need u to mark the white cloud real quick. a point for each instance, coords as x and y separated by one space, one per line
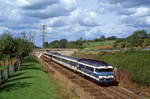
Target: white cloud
75 18
69 4
142 11
3 28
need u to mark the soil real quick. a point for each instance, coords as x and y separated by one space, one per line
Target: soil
125 81
75 91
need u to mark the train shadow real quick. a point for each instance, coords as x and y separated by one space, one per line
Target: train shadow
115 83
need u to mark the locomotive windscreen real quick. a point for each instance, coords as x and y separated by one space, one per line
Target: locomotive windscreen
104 70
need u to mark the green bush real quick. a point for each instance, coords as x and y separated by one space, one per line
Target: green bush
136 62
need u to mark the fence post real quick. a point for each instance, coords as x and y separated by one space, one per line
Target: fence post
7 72
18 64
0 76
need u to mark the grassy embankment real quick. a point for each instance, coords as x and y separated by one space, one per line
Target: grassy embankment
99 45
30 83
136 62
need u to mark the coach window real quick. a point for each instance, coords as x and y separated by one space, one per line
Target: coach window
54 57
90 68
74 64
63 60
81 66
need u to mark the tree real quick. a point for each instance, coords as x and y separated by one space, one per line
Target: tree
146 42
23 48
139 38
46 45
148 36
54 44
71 45
63 43
102 38
141 34
79 43
112 38
13 47
7 46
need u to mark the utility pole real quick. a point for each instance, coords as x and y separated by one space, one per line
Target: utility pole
24 36
43 32
30 36
34 39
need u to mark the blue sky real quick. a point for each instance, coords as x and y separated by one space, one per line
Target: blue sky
72 19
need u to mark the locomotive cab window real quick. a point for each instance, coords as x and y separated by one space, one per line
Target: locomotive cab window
103 70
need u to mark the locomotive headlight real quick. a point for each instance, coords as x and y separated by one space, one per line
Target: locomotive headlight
110 77
101 77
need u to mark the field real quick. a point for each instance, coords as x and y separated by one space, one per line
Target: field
99 45
29 83
136 62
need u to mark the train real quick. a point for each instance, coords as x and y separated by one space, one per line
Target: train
99 71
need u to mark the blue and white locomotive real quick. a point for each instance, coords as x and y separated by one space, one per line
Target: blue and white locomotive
97 70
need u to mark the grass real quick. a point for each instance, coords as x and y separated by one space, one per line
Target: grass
3 67
29 83
94 44
136 62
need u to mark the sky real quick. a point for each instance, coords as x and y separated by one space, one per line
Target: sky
72 19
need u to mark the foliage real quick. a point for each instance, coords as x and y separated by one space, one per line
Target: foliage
139 38
23 48
134 61
137 62
79 43
100 43
63 43
7 46
45 45
14 47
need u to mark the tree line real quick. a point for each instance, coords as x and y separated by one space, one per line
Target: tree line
11 47
139 39
79 44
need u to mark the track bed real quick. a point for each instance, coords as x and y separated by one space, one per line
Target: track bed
95 90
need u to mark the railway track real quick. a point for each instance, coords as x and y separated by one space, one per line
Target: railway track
98 92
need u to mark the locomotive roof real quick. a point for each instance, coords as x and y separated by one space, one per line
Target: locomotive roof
69 57
93 62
